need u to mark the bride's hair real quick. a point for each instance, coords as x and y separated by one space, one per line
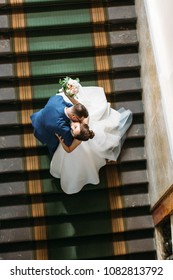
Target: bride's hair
85 133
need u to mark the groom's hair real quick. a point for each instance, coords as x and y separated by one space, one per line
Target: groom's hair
80 110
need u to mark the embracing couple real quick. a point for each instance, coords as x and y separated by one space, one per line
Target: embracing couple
61 121
80 133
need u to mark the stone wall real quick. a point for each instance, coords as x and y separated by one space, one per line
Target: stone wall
159 162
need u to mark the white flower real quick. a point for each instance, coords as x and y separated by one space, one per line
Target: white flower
70 86
61 90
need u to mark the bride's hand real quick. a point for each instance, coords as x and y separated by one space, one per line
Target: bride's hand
59 137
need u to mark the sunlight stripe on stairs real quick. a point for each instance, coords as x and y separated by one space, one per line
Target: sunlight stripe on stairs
103 64
98 14
115 200
16 2
100 40
25 93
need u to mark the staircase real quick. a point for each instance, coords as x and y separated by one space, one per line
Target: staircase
42 41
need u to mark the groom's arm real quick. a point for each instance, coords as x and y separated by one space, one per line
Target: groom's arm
63 129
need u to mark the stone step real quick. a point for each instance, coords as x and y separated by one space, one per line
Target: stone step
132 154
42 3
135 106
44 91
13 118
93 249
16 141
18 188
28 164
122 39
84 228
18 255
49 67
127 85
59 18
62 208
134 177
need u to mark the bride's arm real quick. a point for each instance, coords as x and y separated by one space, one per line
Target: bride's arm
70 148
73 100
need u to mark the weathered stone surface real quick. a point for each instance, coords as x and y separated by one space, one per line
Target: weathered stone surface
18 255
10 141
124 37
7 94
6 70
127 84
15 235
11 164
134 177
135 106
121 13
4 45
4 21
159 161
8 118
125 61
12 212
134 223
140 245
132 154
13 188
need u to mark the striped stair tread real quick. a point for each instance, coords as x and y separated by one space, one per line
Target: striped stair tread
88 227
57 66
11 142
61 18
62 208
93 249
31 163
13 118
133 177
119 86
135 106
132 154
69 42
127 84
66 230
141 245
16 141
17 188
18 255
42 3
18 198
136 131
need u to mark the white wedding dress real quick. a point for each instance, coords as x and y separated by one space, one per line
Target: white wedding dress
81 167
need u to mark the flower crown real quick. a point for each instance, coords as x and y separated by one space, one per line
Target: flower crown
69 86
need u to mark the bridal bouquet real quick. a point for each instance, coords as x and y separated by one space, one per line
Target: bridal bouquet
69 86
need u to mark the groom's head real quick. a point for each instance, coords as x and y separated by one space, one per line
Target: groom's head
78 112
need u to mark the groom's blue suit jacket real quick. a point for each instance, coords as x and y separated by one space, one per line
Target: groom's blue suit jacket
52 119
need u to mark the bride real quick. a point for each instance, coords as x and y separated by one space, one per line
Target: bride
81 166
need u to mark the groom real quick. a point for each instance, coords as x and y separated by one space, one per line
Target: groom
54 118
